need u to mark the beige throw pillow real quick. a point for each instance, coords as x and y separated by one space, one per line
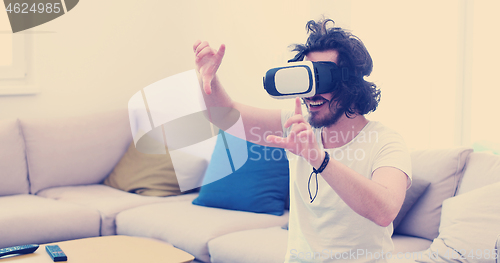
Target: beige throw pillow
145 174
469 228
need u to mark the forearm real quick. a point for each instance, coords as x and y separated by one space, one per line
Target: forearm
219 105
218 96
366 197
223 112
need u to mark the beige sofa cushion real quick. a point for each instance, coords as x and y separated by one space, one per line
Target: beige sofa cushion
76 150
153 174
418 187
144 174
443 169
469 227
264 245
27 219
108 201
13 167
190 227
482 168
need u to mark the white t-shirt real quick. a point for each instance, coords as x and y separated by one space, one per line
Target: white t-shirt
328 229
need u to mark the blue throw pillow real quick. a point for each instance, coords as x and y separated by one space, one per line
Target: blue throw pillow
260 185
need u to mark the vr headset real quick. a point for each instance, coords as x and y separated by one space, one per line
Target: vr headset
304 79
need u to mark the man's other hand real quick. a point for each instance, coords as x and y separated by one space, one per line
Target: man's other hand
207 62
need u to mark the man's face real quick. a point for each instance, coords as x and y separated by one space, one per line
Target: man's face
320 113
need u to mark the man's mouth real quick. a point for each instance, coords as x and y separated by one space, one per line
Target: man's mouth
316 103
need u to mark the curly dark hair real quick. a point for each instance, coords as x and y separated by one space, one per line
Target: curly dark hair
356 95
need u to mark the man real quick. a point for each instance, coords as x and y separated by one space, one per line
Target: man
346 213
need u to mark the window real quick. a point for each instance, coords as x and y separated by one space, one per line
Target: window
484 93
15 75
12 56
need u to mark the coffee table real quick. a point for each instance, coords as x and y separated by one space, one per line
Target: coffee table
109 249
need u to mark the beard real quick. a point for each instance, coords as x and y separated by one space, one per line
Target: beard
330 119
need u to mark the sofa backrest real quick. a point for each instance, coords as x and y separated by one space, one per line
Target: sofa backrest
13 167
481 169
74 150
443 169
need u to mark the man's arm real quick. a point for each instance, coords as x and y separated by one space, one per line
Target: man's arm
378 199
257 122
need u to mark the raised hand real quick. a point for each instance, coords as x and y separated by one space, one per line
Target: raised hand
301 140
207 62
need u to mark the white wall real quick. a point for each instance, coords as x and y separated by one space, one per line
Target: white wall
99 54
95 57
485 94
416 49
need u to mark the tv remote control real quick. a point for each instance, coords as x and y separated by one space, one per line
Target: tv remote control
56 253
24 249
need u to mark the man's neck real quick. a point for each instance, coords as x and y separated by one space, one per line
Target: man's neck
342 132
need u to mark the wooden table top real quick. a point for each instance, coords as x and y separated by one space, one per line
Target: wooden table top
109 249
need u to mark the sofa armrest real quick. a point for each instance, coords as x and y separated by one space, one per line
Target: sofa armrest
497 248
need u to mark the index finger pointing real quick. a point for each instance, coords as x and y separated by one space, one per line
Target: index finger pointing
298 106
221 51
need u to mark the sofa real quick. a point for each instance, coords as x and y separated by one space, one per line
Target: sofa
52 174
